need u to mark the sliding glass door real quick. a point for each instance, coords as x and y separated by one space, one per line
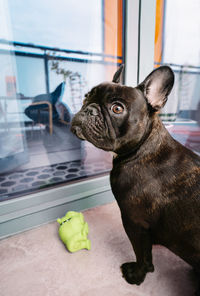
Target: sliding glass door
50 56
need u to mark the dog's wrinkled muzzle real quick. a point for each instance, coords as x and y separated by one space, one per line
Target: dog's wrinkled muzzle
90 124
82 117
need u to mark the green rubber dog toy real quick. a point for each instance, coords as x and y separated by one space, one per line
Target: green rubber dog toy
73 231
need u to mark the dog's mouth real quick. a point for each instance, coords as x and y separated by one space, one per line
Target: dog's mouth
78 132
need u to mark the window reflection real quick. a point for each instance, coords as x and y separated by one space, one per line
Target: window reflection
177 45
49 59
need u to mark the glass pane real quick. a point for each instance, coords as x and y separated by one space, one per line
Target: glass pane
177 44
50 56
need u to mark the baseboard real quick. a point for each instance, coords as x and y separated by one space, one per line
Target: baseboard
30 211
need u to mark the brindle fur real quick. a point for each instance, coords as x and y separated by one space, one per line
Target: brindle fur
155 180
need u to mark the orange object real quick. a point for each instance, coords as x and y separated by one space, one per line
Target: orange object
113 14
159 32
113 31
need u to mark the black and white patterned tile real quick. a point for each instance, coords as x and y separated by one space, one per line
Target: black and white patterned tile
17 183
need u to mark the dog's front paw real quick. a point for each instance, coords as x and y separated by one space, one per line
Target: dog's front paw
133 273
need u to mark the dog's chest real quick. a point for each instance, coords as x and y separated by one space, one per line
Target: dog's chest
133 189
136 195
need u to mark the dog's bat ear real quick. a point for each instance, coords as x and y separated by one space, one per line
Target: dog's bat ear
157 86
118 76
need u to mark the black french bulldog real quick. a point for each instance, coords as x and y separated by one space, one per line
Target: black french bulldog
155 180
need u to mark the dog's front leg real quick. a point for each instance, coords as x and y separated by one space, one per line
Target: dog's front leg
135 272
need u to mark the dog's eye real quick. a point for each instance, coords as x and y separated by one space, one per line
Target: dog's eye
117 108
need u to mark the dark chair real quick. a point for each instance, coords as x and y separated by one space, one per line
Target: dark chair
49 108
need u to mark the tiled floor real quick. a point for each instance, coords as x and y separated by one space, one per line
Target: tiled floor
20 182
